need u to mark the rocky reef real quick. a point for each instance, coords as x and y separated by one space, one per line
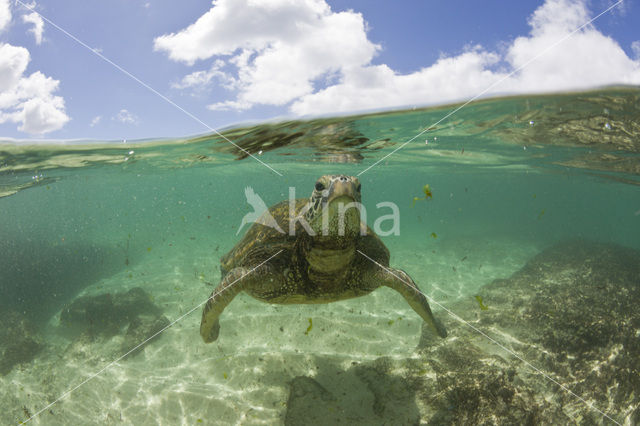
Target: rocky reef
131 315
20 342
555 343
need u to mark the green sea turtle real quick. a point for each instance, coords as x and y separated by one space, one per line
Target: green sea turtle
318 252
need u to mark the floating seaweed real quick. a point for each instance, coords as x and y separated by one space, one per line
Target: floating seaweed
427 194
483 307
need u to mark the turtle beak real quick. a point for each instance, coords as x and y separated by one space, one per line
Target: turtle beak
342 188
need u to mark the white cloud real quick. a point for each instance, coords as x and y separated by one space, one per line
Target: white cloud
96 120
125 117
203 80
586 59
38 25
303 55
28 100
5 14
635 48
13 63
278 47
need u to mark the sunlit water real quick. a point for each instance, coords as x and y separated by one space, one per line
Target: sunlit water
509 177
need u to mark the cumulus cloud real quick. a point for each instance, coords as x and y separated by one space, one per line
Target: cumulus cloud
27 100
277 48
5 14
586 59
202 80
38 25
635 48
124 116
313 60
529 64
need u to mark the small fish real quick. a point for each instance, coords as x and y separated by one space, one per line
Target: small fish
483 307
463 259
225 375
461 153
148 248
310 327
434 235
541 214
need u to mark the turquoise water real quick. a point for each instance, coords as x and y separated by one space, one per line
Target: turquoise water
509 177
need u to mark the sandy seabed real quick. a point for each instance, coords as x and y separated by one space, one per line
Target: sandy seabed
354 361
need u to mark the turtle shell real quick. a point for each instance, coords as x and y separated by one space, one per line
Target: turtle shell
261 241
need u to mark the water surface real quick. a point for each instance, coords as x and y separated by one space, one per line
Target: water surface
510 178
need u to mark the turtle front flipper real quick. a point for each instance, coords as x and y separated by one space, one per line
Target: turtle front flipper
233 283
401 282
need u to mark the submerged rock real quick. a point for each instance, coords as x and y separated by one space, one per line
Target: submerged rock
570 312
139 330
131 314
105 314
472 386
19 341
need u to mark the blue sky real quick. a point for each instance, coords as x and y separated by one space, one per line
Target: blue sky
234 61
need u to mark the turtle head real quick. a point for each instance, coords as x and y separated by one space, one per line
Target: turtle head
334 207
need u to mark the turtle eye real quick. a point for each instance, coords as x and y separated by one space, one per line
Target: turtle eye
359 187
319 186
